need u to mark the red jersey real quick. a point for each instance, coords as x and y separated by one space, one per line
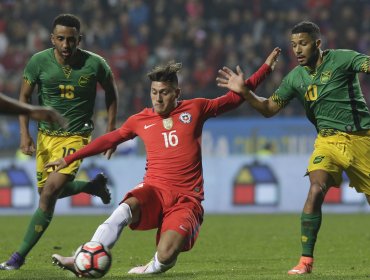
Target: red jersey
173 143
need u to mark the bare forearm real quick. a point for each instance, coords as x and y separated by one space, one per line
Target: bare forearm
12 107
24 119
261 104
112 113
111 101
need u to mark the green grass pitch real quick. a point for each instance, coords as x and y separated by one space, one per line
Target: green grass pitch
229 247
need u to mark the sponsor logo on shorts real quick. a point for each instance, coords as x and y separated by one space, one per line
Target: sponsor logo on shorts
197 189
39 176
318 159
183 228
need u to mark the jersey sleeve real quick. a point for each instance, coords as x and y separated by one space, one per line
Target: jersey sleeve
104 71
285 92
219 105
353 61
127 129
32 70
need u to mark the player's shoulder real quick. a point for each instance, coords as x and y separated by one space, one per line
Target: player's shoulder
294 73
91 55
336 54
143 113
47 53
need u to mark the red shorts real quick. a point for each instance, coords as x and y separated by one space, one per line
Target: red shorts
167 210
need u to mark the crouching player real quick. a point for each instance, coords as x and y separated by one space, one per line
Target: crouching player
169 199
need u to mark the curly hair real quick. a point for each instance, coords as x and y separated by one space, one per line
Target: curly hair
307 27
67 20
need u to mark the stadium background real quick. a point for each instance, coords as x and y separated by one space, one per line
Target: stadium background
134 35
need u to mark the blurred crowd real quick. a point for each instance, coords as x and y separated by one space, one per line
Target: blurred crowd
135 35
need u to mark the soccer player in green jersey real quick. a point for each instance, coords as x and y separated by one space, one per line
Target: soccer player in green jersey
326 83
10 106
66 78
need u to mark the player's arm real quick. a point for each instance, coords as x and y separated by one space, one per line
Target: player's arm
111 101
259 76
11 106
99 145
235 82
27 145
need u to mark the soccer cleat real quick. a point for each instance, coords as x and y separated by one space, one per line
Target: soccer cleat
151 268
99 188
141 269
67 263
304 266
14 263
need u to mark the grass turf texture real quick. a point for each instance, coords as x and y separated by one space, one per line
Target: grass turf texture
228 247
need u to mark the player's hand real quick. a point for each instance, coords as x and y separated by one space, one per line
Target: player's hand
27 146
231 80
56 165
108 153
49 115
272 59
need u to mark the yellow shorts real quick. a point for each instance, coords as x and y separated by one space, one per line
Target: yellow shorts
349 152
50 148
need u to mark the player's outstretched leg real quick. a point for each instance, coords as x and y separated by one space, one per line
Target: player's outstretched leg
99 188
152 267
14 262
65 263
303 267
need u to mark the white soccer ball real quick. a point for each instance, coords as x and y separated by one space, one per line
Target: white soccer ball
92 260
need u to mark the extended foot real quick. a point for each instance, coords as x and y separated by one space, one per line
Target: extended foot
99 188
304 266
65 263
15 262
141 269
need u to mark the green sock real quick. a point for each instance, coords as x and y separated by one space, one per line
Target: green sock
39 223
310 225
74 187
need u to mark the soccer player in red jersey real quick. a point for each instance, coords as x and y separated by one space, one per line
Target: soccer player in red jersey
169 198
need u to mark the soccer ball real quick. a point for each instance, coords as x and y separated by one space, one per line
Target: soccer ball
92 260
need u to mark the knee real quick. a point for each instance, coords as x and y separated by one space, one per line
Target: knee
48 197
317 193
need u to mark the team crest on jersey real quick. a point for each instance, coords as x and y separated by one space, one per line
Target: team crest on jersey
83 80
167 123
325 77
185 117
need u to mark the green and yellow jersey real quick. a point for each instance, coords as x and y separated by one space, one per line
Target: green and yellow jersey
331 94
69 90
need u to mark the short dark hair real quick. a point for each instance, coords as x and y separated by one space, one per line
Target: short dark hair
67 20
307 27
166 73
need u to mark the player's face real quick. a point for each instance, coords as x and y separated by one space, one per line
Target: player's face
306 49
164 97
65 40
